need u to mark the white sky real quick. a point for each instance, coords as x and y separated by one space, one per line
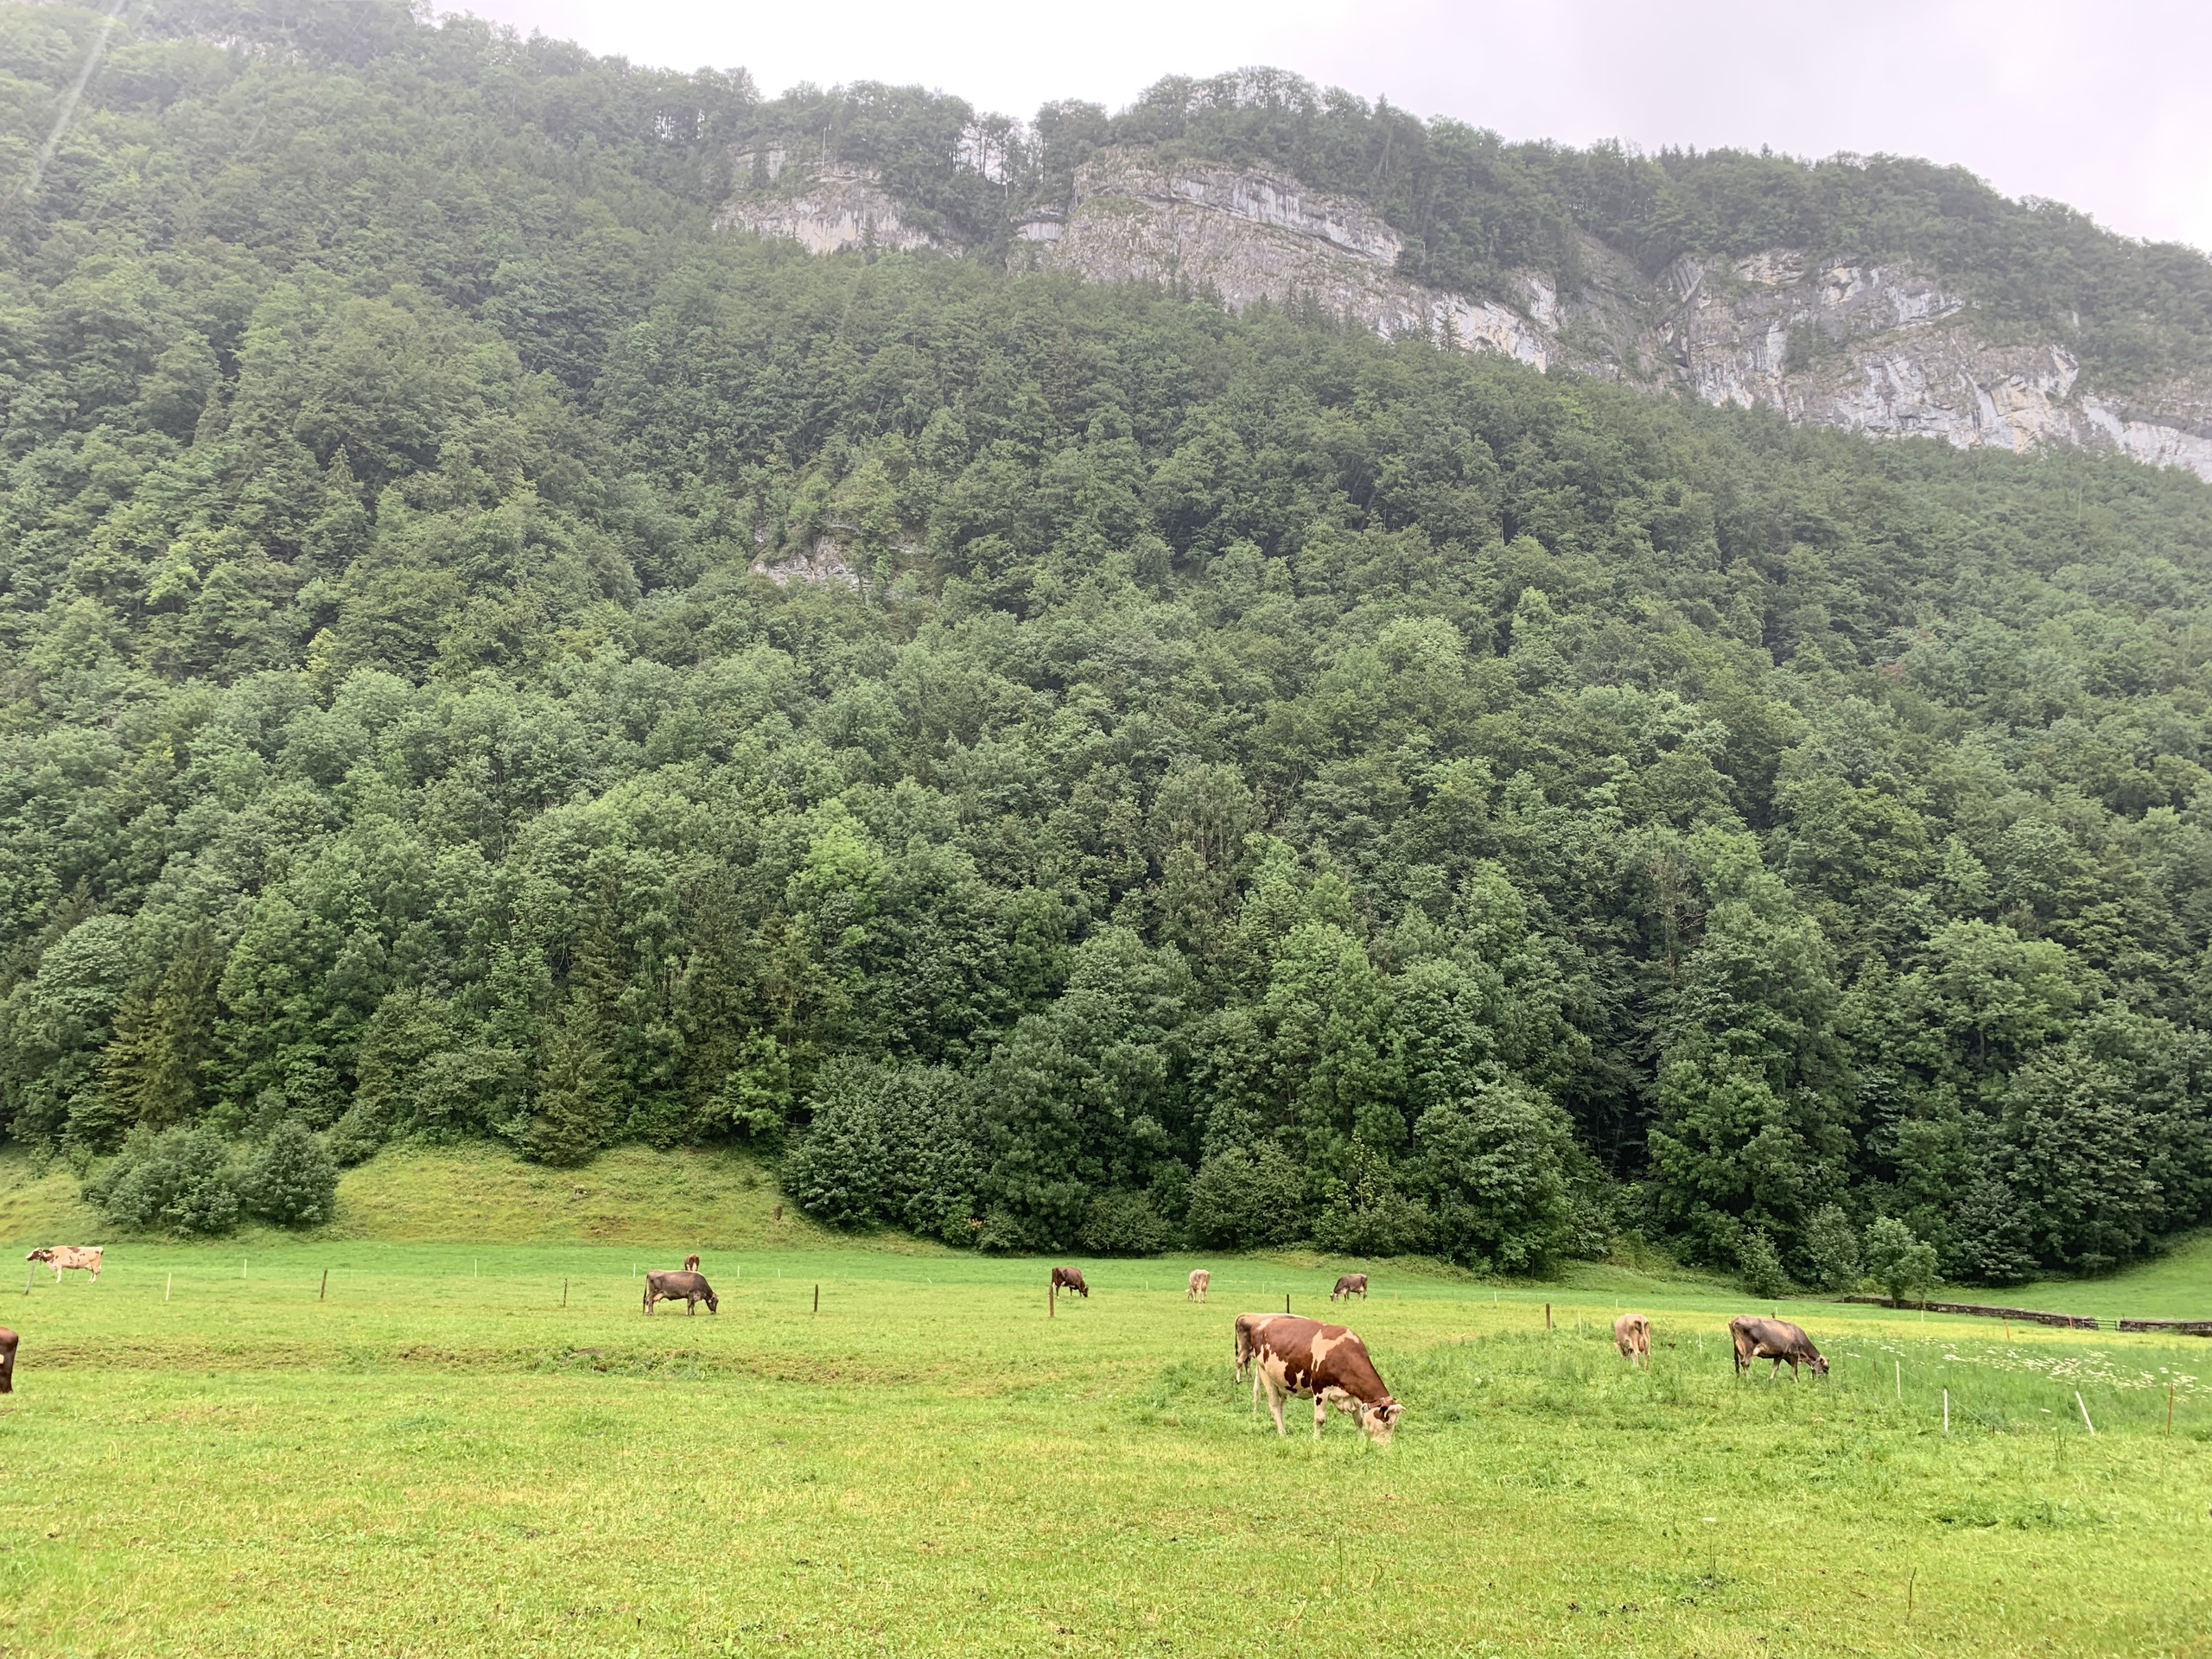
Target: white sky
2106 106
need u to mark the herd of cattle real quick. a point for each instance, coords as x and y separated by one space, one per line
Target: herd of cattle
1290 1355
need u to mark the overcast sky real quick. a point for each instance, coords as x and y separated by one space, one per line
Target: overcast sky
2106 106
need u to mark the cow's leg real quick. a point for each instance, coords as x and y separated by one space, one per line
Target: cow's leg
1320 1413
1274 1402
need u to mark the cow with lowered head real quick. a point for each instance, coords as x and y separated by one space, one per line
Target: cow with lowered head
1774 1339
689 1288
1297 1356
1070 1279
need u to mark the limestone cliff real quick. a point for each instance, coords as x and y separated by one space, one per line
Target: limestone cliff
834 210
1879 349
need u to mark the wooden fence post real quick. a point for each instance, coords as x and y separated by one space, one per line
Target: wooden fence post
565 1293
325 1291
817 1299
1547 1316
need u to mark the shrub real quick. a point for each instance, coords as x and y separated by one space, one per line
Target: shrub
1124 1224
1244 1200
1989 1235
1496 1163
1901 1264
892 1144
177 1182
1761 1265
291 1180
1832 1250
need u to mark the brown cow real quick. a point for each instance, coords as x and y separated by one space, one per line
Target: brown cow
1249 1327
691 1288
1773 1340
1302 1355
1070 1279
1199 1280
1351 1285
71 1256
691 1264
7 1360
1632 1336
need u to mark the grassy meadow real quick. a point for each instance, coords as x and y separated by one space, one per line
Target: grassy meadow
209 1454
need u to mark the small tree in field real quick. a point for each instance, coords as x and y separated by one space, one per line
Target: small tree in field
1763 1275
1901 1264
1832 1250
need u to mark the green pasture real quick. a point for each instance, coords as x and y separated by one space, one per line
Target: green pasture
210 1454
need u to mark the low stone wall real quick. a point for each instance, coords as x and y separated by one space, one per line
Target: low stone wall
2036 1316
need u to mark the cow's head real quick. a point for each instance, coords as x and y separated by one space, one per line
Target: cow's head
40 1255
714 1303
1819 1363
1381 1421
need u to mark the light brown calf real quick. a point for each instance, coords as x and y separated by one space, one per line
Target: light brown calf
71 1256
1199 1280
1632 1336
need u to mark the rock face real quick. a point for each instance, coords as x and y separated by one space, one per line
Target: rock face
837 209
1250 235
1879 349
1883 350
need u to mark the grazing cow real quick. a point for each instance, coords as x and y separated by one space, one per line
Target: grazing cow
69 1255
691 1288
1199 1280
1249 1327
1353 1284
7 1360
1070 1279
691 1264
1773 1340
1302 1356
1632 1336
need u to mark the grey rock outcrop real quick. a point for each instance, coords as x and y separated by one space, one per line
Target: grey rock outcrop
1880 349
836 210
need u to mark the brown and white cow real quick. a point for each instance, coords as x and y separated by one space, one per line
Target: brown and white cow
1249 1327
1295 1355
689 1288
1199 1280
1351 1285
1070 1279
1773 1340
7 1360
691 1264
59 1257
1632 1336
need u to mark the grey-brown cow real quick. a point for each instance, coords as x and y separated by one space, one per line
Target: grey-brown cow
1351 1285
689 1288
1773 1340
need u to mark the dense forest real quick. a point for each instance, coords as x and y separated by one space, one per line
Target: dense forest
1258 781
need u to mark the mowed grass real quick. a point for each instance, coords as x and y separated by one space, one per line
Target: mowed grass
440 1459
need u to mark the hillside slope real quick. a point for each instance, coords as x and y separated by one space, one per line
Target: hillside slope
487 655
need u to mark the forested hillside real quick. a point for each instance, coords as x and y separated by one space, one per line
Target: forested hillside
1259 781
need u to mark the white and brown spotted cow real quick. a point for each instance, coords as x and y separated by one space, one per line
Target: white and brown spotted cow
1632 1336
1199 1280
1296 1355
7 1360
70 1256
